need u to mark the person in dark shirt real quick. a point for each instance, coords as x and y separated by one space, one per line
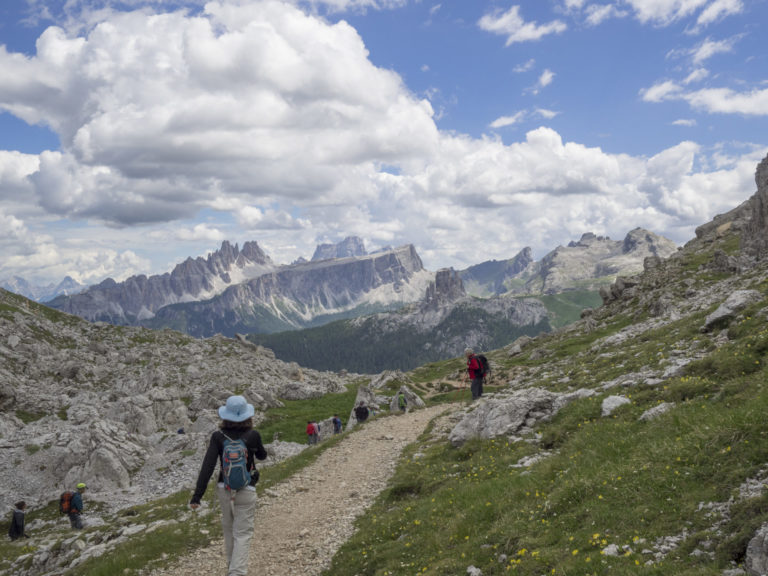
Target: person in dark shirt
237 506
76 510
16 530
361 412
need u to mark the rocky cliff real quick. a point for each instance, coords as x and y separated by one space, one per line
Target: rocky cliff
348 248
754 241
305 294
139 297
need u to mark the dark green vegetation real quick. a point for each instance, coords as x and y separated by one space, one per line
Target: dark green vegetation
566 307
198 320
368 347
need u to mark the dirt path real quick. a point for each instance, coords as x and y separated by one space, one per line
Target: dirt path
301 523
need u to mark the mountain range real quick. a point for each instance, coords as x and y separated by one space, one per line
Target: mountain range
236 289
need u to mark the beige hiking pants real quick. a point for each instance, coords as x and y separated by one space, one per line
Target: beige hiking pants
237 517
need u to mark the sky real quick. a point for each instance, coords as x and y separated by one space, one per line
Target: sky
136 133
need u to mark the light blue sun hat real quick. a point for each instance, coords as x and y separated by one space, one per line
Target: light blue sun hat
236 409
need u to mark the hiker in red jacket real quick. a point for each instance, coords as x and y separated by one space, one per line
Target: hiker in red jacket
313 432
475 372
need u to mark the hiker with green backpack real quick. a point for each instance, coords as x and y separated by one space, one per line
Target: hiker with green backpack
235 446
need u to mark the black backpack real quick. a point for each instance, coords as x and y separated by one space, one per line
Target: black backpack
485 368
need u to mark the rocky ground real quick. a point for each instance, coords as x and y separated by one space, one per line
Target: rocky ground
302 522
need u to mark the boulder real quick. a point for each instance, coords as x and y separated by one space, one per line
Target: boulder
728 310
756 560
412 399
612 402
656 411
509 415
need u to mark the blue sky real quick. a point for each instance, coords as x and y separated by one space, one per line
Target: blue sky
136 133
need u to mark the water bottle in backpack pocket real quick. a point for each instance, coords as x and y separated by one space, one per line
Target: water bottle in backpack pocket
234 462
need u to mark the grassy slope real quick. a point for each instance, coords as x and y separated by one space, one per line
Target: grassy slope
605 481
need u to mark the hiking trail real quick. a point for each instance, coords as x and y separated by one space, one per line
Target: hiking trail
303 521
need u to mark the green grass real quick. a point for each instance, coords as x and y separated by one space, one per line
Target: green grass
566 307
290 421
27 417
612 481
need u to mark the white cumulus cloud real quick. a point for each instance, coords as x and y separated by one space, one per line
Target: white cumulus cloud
512 25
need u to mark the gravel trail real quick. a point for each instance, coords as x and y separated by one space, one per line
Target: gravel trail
302 522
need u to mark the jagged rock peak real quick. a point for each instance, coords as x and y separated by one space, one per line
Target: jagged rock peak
644 240
446 288
350 246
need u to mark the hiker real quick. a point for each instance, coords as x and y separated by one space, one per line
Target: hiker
235 446
76 507
402 403
16 529
337 425
361 412
312 435
475 372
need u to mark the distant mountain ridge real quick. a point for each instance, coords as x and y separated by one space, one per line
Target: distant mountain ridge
441 325
236 290
305 294
21 286
587 264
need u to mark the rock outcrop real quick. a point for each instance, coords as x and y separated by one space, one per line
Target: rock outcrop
754 241
511 415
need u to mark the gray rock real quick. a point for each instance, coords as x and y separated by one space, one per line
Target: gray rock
756 560
728 310
612 402
656 411
516 413
413 400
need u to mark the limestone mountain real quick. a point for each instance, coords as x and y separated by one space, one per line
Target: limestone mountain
587 264
349 247
304 294
140 297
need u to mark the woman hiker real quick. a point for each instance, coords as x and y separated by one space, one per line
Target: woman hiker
238 504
